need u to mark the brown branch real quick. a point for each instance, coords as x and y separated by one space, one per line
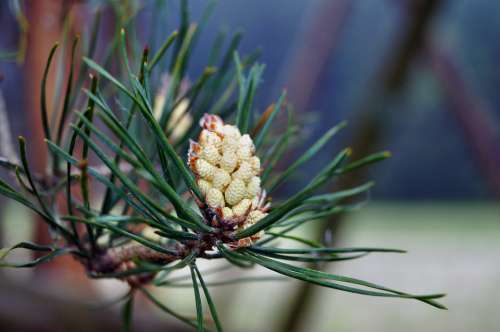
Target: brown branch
123 258
113 258
44 30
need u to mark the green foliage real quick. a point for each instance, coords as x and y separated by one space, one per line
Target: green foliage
127 313
114 138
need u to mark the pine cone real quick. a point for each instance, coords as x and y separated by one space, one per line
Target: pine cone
228 175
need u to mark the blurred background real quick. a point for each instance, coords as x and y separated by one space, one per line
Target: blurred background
417 77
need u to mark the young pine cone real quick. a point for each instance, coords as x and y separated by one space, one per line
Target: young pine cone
228 175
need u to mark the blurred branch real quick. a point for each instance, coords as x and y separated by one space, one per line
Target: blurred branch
23 25
368 129
314 49
471 113
46 27
7 149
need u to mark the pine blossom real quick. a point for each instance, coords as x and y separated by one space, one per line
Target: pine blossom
228 174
